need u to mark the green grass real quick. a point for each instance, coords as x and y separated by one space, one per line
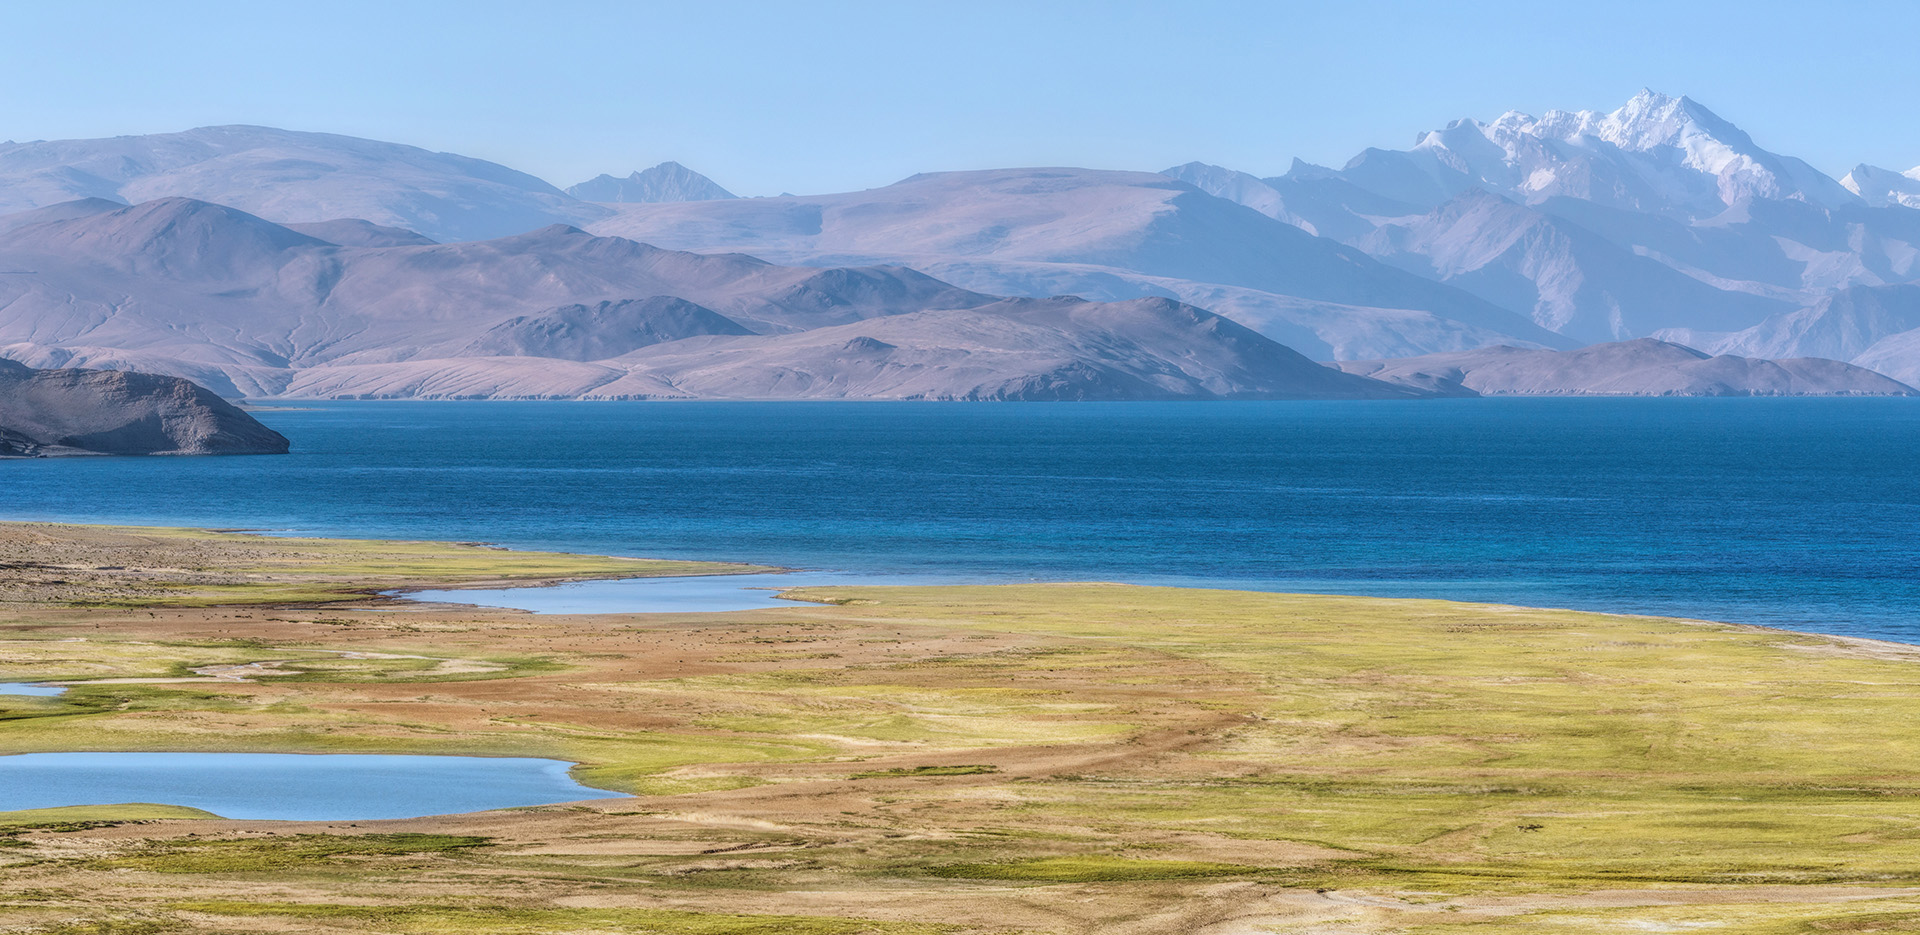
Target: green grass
1405 746
110 927
1468 745
282 852
1095 870
74 817
1739 918
899 771
506 920
206 568
896 703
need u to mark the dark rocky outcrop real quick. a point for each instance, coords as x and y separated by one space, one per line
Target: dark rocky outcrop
62 412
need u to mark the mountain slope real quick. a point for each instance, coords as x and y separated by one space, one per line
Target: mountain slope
1312 198
1020 349
1657 219
258 309
668 181
1642 367
1655 154
1881 187
1841 326
1877 327
1097 234
601 330
1014 350
294 177
1570 280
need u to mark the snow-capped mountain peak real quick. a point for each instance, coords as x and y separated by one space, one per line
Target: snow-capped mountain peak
1881 187
1659 153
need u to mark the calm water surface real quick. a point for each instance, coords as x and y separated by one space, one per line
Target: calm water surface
1795 513
289 786
28 688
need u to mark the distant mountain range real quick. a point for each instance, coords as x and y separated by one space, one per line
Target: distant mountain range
253 308
1659 219
293 177
273 263
1641 367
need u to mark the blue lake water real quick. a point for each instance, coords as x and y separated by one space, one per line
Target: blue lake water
28 688
289 786
1800 513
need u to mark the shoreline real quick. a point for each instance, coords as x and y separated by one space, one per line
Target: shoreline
1397 591
1014 754
1493 506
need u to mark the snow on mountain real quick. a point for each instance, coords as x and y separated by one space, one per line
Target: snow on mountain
1102 235
293 177
1654 154
1881 187
1658 218
668 181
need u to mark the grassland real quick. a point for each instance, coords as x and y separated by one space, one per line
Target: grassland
119 566
1039 758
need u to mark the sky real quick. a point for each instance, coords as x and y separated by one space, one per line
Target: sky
774 97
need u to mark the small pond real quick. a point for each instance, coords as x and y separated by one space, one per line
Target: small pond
698 593
289 786
28 688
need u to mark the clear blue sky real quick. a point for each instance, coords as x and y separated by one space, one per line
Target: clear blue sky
824 96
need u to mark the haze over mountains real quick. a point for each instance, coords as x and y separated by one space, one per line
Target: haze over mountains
292 176
668 181
1658 219
1640 367
276 263
253 308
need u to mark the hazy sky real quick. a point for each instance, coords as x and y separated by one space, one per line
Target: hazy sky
824 96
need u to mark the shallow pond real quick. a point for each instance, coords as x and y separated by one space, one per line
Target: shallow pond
289 786
698 593
28 688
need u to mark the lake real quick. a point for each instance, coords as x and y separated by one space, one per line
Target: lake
1799 513
28 688
289 786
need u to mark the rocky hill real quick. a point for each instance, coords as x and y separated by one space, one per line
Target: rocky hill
258 309
61 412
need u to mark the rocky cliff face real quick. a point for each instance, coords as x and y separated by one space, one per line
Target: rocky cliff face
59 412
